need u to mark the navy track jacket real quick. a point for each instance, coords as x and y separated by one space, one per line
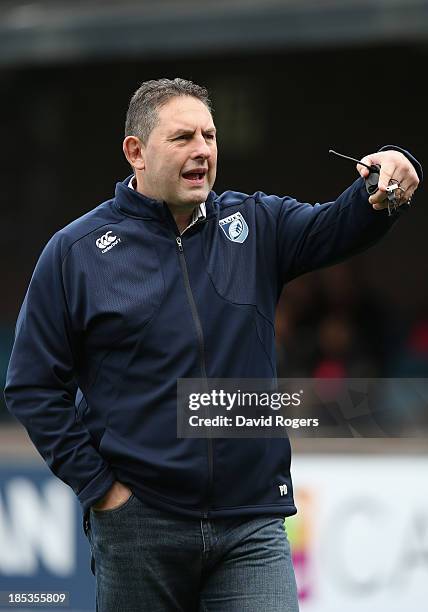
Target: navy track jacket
119 308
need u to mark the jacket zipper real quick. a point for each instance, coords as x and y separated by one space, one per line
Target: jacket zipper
201 346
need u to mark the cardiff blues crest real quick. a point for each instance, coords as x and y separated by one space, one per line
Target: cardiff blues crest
235 227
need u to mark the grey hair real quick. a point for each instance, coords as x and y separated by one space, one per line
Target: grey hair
142 115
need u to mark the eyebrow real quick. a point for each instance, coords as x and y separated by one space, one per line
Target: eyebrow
185 131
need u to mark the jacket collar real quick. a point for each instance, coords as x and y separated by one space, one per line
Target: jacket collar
134 204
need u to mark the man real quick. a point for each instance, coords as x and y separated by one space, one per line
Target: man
168 280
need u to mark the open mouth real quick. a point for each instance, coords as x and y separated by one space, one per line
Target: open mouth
195 177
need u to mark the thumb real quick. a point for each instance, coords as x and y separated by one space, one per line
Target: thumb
362 170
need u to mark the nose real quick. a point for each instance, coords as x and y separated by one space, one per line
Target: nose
201 150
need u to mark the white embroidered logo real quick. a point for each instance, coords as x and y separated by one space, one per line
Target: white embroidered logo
283 489
107 242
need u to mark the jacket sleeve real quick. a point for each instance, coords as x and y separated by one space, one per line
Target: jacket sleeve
311 237
41 385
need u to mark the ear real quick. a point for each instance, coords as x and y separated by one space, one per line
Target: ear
134 151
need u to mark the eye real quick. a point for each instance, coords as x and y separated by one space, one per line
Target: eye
210 136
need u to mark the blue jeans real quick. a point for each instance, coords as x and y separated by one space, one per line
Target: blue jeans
151 560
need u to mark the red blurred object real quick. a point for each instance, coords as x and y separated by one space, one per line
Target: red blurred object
330 368
418 338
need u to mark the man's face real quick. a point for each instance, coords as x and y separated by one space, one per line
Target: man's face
180 156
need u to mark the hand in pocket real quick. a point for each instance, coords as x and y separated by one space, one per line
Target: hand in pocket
116 496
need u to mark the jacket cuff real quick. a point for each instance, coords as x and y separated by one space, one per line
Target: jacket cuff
409 156
96 489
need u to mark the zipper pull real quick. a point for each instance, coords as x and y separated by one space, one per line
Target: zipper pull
180 246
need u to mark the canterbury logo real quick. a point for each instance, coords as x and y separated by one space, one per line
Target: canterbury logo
107 241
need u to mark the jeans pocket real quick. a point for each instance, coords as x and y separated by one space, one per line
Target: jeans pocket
115 510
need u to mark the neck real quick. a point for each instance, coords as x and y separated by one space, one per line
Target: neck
181 218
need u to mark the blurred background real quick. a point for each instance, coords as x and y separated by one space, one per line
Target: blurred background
289 80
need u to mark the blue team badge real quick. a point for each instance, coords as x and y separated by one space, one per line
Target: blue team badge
235 227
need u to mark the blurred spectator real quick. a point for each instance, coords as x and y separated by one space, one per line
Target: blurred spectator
412 360
331 325
342 352
296 323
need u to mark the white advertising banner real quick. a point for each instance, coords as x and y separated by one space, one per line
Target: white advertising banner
360 538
